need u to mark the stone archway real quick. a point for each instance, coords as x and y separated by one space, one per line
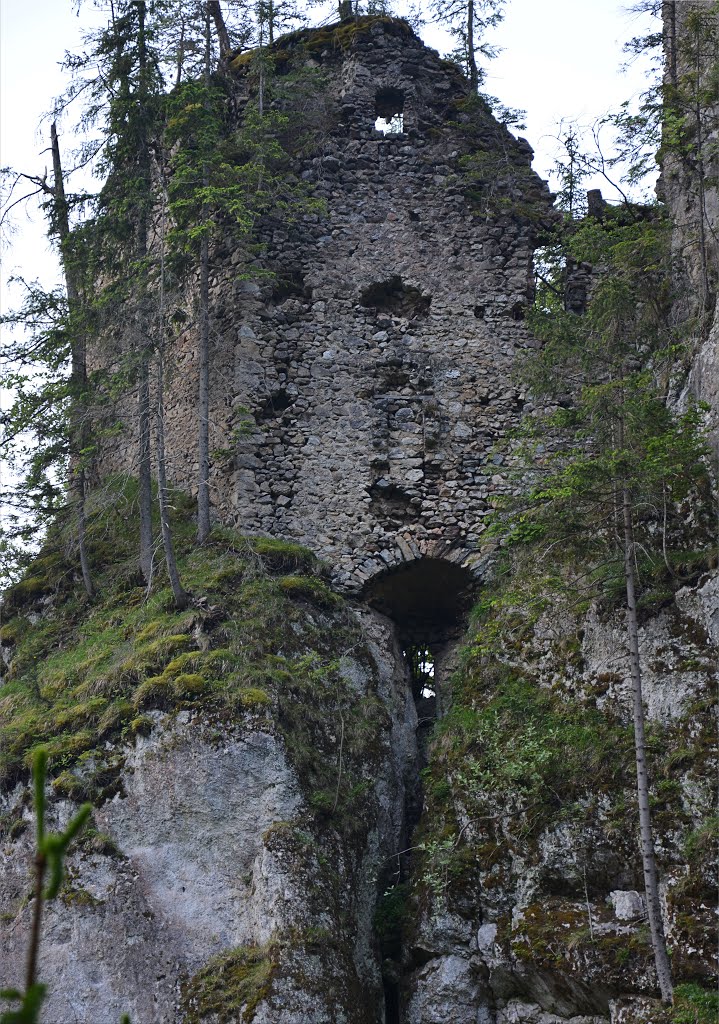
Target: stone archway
427 598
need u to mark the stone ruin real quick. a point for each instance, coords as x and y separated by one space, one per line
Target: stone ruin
362 392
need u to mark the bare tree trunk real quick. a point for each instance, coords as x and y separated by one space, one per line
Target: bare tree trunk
78 371
215 11
203 403
178 592
144 465
651 882
471 57
143 340
670 39
180 54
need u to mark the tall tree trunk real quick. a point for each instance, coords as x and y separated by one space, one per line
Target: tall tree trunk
471 56
178 592
78 370
143 451
203 398
215 11
651 882
143 340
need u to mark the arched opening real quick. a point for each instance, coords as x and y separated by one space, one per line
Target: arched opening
427 599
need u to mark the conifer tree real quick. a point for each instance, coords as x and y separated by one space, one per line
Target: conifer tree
51 318
469 21
612 497
127 100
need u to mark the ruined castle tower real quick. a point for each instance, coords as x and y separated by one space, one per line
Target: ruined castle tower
360 393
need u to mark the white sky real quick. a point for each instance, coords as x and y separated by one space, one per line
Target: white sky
560 60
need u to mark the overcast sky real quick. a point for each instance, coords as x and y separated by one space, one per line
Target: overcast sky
560 59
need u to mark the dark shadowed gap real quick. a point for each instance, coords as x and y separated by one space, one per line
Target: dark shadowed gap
393 296
389 111
391 1001
427 599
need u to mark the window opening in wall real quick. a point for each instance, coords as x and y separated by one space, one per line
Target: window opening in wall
421 666
389 111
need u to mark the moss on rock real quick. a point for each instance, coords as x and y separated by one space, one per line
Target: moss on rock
229 988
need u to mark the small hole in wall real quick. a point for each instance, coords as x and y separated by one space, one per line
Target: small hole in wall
395 125
394 296
479 312
274 405
389 111
518 311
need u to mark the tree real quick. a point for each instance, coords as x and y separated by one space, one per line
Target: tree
68 319
78 371
220 180
612 498
469 21
127 100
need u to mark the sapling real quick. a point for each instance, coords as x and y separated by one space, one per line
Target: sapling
50 851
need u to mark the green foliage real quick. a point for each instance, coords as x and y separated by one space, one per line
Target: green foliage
220 176
694 1004
526 743
28 1012
703 841
612 431
390 918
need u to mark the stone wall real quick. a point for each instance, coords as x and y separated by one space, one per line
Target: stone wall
370 382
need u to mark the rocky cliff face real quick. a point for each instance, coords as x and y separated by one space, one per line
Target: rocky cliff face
238 843
689 185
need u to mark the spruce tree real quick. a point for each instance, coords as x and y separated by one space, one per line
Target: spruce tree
468 22
616 472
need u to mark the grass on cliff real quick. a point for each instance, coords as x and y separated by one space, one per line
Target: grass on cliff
533 751
82 673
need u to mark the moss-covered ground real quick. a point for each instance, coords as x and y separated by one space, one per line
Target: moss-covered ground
261 640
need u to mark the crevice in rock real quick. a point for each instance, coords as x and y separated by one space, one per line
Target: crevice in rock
427 599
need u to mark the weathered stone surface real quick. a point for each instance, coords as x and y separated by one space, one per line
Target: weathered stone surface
385 370
207 855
